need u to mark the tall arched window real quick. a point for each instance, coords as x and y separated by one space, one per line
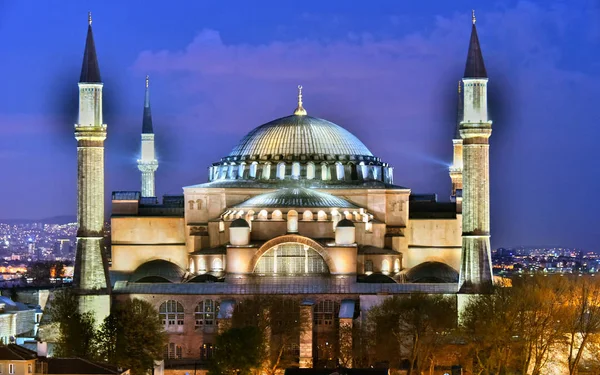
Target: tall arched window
322 216
325 172
217 264
339 170
397 265
281 170
171 313
291 259
310 170
385 266
266 171
202 265
232 171
253 168
292 221
205 313
241 169
295 170
263 215
192 265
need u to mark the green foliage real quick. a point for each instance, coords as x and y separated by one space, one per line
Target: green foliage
132 336
240 351
77 334
413 328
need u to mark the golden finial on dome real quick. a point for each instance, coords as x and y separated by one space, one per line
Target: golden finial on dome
90 18
147 81
300 111
459 86
473 16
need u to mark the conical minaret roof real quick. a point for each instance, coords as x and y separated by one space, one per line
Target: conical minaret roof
147 121
475 67
90 73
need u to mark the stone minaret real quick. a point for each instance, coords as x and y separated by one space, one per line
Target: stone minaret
475 130
147 163
457 160
90 279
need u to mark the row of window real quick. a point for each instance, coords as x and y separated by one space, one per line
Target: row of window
171 313
385 266
217 265
11 368
366 172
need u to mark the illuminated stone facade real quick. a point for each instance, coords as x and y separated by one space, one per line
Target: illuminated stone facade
300 209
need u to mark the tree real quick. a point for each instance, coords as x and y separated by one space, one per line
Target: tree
132 336
77 336
582 319
280 321
240 351
413 328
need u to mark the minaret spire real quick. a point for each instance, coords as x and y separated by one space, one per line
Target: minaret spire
147 163
457 160
90 276
90 73
300 111
475 68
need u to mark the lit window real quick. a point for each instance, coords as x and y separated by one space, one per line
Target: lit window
281 170
217 264
173 351
296 170
171 313
29 368
385 266
11 368
310 170
205 313
206 352
326 313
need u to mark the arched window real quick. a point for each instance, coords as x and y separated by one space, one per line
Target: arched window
348 215
192 265
217 264
295 170
266 174
171 313
321 216
202 265
241 169
223 170
221 226
173 351
339 170
263 215
364 170
310 170
397 265
385 266
325 172
205 313
307 215
326 313
291 259
281 170
368 267
292 221
253 168
231 172
276 215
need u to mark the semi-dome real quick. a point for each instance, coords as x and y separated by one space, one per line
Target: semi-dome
432 272
158 271
296 197
299 135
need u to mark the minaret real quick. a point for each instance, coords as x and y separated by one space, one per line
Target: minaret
90 279
475 130
147 163
457 160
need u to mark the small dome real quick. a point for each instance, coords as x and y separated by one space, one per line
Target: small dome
432 272
297 135
345 223
239 223
296 197
378 278
157 271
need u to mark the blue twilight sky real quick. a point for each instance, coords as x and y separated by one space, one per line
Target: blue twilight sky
385 70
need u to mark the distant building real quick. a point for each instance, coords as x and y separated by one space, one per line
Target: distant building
19 322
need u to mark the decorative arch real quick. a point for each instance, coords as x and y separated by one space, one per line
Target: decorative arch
293 238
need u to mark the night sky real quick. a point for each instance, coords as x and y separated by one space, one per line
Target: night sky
385 70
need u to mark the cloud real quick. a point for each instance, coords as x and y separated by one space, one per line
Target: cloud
397 94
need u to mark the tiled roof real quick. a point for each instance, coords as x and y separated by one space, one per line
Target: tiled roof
16 352
296 197
80 366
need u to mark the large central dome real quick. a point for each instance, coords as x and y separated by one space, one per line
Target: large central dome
297 135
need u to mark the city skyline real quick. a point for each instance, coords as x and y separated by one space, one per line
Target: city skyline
212 79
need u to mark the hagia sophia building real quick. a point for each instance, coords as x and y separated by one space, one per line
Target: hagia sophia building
300 208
